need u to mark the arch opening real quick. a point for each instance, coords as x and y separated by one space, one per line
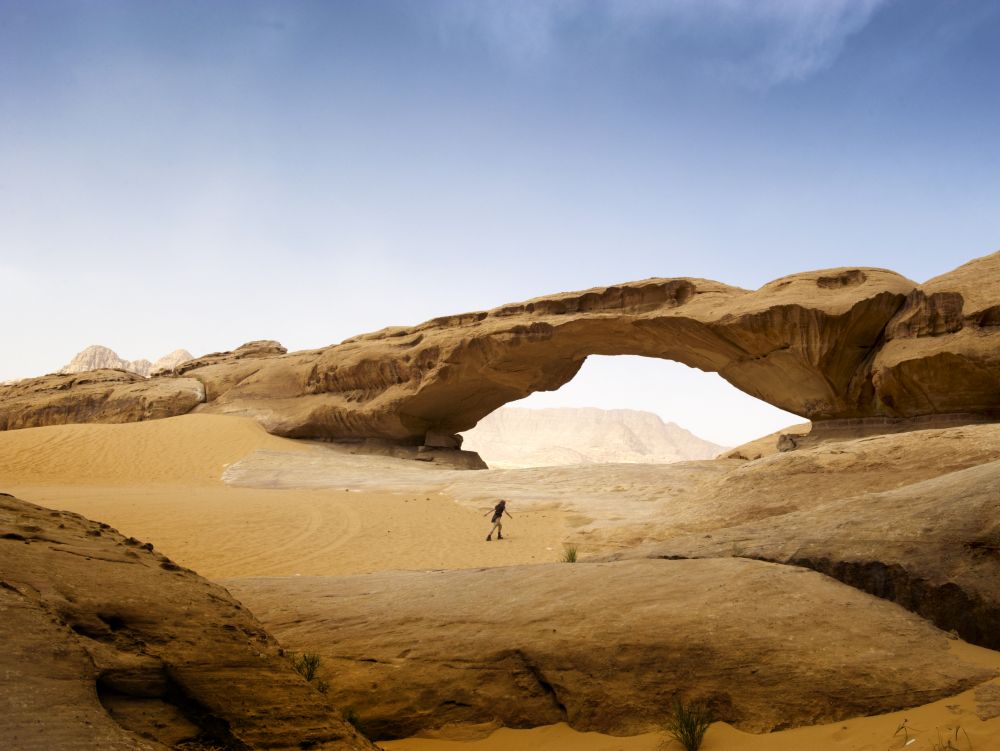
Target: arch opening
626 408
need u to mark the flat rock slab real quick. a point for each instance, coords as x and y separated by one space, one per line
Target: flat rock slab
607 646
932 546
110 645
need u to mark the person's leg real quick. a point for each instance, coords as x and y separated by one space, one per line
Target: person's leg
499 530
490 535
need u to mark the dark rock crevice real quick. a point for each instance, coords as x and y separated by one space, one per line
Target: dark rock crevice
150 703
947 605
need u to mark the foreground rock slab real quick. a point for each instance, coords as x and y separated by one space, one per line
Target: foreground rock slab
932 546
109 645
607 646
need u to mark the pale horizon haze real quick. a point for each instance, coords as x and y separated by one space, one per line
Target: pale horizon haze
201 174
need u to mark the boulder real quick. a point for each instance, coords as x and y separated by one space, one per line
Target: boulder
607 646
109 645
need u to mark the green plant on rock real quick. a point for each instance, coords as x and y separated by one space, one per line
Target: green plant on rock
569 553
306 664
688 724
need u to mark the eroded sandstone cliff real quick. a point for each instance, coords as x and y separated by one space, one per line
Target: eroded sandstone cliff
851 349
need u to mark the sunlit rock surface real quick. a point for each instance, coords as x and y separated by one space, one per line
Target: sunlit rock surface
854 350
109 645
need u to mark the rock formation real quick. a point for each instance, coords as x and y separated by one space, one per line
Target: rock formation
933 546
912 517
109 645
96 396
170 361
607 646
852 349
520 437
97 357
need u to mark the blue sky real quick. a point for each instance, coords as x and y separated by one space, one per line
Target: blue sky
199 174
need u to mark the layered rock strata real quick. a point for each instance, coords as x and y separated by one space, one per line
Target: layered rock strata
608 646
109 645
932 546
105 396
850 344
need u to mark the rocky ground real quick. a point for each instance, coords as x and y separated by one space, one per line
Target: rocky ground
608 646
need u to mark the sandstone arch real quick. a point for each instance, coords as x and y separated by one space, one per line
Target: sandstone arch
836 346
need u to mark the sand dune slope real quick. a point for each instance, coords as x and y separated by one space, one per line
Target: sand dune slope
189 448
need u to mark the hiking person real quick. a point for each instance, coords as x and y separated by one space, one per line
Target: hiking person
498 511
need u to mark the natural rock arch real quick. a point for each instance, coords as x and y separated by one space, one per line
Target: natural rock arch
851 344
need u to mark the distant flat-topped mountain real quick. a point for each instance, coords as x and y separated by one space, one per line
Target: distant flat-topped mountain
97 357
521 437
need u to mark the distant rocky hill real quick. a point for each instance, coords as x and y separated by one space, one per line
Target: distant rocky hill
97 357
521 437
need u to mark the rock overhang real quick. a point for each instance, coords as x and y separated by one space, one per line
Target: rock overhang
845 344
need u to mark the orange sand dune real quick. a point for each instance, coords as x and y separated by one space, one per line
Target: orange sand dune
160 481
187 449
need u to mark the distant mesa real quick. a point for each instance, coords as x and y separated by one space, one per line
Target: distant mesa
522 437
854 350
96 357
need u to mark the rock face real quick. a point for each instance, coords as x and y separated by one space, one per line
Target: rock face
519 437
607 646
170 361
109 645
942 348
849 349
97 357
932 546
108 396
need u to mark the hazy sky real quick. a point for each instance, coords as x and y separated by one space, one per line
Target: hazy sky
199 174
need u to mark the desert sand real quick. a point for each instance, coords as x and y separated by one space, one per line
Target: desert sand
330 513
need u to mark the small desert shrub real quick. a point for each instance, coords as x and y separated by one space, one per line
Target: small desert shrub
569 554
306 665
322 686
952 742
688 724
904 728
